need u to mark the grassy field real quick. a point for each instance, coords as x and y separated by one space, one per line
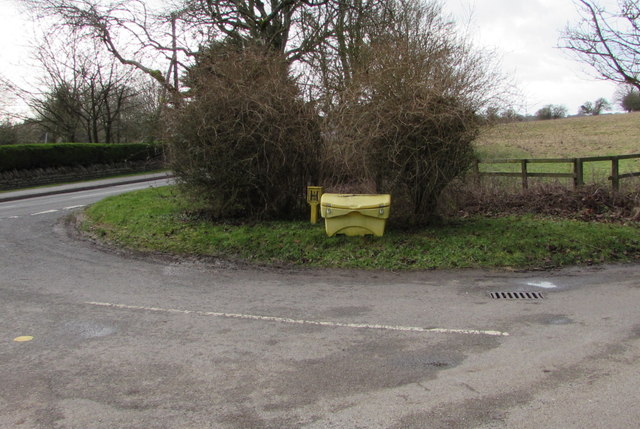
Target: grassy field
154 221
563 138
585 136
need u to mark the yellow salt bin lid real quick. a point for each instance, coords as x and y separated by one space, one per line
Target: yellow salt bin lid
356 201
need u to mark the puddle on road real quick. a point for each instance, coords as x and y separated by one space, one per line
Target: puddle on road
88 330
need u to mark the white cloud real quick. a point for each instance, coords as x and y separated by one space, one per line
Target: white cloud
525 34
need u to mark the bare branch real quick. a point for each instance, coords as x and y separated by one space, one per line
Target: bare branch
115 24
607 41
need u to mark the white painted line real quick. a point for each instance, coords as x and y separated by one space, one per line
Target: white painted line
302 322
44 212
74 207
542 284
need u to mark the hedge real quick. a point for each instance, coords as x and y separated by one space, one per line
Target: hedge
32 156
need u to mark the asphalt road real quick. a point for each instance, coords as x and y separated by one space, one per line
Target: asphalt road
97 339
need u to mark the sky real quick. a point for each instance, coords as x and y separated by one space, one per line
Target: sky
523 33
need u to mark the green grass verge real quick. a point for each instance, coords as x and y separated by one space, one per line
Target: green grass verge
154 220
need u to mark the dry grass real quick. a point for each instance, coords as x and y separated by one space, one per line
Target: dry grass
563 138
589 203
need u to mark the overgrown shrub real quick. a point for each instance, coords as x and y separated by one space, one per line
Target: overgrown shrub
588 203
406 121
33 156
245 144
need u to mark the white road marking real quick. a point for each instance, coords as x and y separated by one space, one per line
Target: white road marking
74 207
44 212
543 284
302 322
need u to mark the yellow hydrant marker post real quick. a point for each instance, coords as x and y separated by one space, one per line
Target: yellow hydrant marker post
314 193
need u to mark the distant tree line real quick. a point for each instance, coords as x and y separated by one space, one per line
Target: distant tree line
83 96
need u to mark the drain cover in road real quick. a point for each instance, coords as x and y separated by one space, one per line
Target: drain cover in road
516 295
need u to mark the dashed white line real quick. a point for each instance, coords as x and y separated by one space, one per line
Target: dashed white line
44 212
303 322
74 207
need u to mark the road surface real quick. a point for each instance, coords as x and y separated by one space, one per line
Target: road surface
100 339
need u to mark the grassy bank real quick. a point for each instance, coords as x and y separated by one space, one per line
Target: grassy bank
155 220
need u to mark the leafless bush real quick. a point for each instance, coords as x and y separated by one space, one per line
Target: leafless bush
245 143
406 120
588 203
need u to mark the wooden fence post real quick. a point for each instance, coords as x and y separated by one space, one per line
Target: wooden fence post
525 177
615 174
578 173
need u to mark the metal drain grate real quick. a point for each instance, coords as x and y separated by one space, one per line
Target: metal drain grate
516 295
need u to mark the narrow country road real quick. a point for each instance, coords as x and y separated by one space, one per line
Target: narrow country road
98 339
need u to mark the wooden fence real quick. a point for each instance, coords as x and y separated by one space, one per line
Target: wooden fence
577 175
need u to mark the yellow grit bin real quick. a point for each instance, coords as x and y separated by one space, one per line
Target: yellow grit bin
355 214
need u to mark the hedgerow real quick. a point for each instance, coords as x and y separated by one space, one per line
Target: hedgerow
34 156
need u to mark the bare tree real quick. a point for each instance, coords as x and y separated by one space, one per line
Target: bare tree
86 93
608 41
551 111
277 24
8 96
156 40
127 29
8 134
595 108
330 67
410 111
